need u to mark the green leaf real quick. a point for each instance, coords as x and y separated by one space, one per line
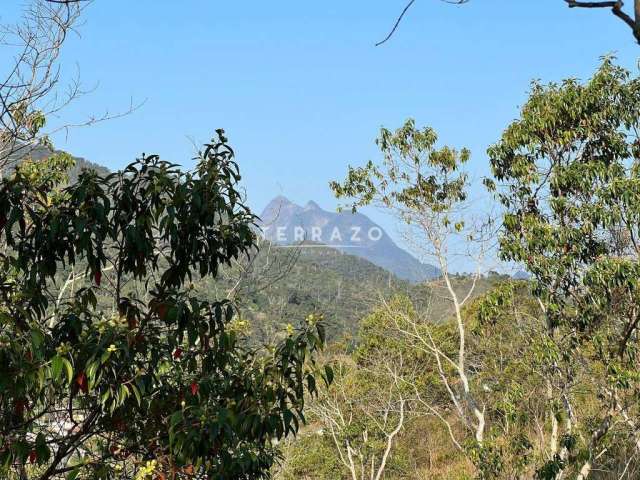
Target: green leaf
328 373
69 369
56 367
73 474
37 339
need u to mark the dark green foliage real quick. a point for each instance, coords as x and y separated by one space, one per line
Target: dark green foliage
149 380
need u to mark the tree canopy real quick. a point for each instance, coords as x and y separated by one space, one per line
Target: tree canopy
110 364
567 175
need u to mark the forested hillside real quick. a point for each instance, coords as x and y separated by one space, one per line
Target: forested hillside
318 280
284 284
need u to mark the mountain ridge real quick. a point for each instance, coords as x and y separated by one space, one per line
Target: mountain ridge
286 223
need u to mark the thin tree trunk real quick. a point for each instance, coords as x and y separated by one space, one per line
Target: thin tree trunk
553 441
480 426
584 471
390 439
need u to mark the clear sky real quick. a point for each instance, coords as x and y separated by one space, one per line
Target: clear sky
300 88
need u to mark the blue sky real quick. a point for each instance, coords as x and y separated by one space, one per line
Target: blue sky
300 88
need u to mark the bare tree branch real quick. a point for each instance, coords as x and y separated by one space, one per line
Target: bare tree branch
405 10
395 26
32 89
616 7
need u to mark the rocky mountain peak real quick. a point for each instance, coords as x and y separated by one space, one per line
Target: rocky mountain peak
284 222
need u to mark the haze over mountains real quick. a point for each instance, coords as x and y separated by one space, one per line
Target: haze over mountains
285 223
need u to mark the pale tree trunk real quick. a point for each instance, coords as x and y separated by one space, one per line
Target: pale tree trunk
479 414
602 430
553 441
352 465
584 471
564 453
390 439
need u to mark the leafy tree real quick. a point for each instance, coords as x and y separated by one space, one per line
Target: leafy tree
569 185
425 187
458 381
122 370
569 179
392 371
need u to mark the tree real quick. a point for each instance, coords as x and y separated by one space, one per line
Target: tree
571 142
389 396
360 418
568 176
424 187
363 412
31 88
122 370
616 7
503 328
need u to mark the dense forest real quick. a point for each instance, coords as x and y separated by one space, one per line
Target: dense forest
148 331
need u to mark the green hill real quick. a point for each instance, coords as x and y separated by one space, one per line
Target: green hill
284 285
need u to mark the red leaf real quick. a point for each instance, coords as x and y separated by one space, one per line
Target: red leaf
19 407
33 456
98 277
162 311
194 388
177 353
81 380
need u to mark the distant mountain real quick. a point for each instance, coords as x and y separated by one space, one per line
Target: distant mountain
521 275
40 153
283 222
